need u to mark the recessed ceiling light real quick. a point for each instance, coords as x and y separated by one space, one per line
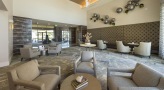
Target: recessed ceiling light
56 25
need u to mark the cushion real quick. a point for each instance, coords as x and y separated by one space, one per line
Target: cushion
28 71
145 77
115 82
52 44
161 83
138 88
85 67
50 80
86 56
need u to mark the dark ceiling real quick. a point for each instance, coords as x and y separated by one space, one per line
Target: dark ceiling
78 1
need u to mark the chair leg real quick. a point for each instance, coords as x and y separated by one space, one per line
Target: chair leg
57 54
149 57
60 52
59 86
21 59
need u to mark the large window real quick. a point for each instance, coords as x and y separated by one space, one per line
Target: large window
39 35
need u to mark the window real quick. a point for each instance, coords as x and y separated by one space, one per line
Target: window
39 35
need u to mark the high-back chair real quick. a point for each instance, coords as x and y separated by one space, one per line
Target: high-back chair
101 45
86 63
144 49
121 48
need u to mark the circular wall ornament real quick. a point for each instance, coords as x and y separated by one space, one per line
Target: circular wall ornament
119 10
131 7
106 17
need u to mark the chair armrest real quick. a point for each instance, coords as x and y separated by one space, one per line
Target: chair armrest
109 70
138 88
50 70
30 84
76 62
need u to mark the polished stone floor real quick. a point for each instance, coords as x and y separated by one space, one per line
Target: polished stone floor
105 59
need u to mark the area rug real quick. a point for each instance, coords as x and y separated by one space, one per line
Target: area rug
105 59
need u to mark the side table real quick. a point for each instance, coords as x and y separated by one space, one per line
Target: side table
93 83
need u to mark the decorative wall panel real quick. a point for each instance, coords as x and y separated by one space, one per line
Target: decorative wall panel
143 32
22 33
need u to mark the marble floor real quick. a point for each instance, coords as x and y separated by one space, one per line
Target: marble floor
105 59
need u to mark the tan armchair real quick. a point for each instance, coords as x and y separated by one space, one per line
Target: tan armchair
101 44
80 42
30 46
141 77
121 48
144 49
34 77
86 63
28 53
56 49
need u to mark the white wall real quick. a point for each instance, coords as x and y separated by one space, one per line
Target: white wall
63 11
6 34
150 13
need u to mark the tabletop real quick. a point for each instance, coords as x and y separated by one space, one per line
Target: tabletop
88 45
136 44
93 83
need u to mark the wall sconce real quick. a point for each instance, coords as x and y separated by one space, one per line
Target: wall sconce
131 4
11 25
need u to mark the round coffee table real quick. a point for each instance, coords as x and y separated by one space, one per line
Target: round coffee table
93 83
88 46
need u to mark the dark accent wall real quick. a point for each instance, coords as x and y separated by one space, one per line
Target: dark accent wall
22 33
148 32
58 34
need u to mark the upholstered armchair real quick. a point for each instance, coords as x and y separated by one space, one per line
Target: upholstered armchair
80 42
101 45
55 50
30 46
144 49
86 63
34 77
141 77
121 48
28 53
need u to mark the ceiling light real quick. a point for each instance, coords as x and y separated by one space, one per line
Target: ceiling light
56 25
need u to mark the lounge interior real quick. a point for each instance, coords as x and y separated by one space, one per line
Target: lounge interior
82 45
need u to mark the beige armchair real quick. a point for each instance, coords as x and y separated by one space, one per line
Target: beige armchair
144 49
34 77
101 45
56 49
28 53
30 46
141 77
121 48
86 63
80 42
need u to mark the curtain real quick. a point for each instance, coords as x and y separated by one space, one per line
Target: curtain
161 32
